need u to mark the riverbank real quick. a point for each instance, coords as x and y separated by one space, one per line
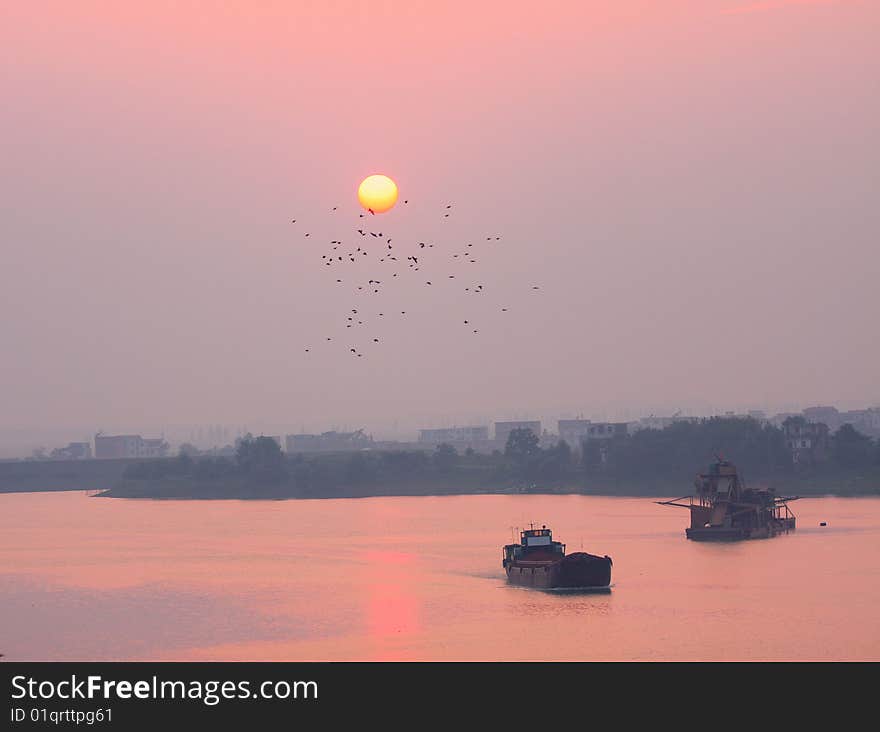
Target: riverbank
241 489
331 476
33 476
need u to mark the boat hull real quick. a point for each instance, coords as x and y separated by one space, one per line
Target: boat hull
734 533
574 571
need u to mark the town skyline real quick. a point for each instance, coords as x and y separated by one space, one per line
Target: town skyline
217 436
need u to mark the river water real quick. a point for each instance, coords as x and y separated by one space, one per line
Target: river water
420 579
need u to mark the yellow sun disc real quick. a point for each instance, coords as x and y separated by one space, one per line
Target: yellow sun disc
377 193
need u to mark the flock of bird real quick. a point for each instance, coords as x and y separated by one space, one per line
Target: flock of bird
395 260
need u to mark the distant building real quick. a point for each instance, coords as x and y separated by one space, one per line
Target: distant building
658 423
73 451
129 446
828 415
153 447
503 430
807 441
653 423
329 442
117 446
573 431
595 443
454 434
461 438
866 421
606 430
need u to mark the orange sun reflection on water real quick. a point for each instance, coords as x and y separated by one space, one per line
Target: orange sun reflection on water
392 609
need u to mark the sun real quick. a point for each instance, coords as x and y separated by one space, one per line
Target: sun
377 193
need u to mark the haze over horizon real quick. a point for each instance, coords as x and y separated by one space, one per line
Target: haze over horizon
693 187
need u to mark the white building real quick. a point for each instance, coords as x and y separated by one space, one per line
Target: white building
573 431
453 435
128 446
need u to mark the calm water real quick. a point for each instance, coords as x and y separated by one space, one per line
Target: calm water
421 579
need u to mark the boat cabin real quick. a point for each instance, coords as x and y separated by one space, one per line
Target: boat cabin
536 537
721 483
534 545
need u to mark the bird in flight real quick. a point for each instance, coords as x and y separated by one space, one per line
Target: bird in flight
413 263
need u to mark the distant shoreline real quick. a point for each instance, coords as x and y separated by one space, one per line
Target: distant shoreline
462 483
158 496
107 479
666 495
29 476
255 495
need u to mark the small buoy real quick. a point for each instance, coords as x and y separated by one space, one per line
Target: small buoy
822 523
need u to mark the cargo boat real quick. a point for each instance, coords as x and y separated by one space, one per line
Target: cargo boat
723 509
538 561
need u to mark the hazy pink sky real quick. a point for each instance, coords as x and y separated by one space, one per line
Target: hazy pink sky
692 183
